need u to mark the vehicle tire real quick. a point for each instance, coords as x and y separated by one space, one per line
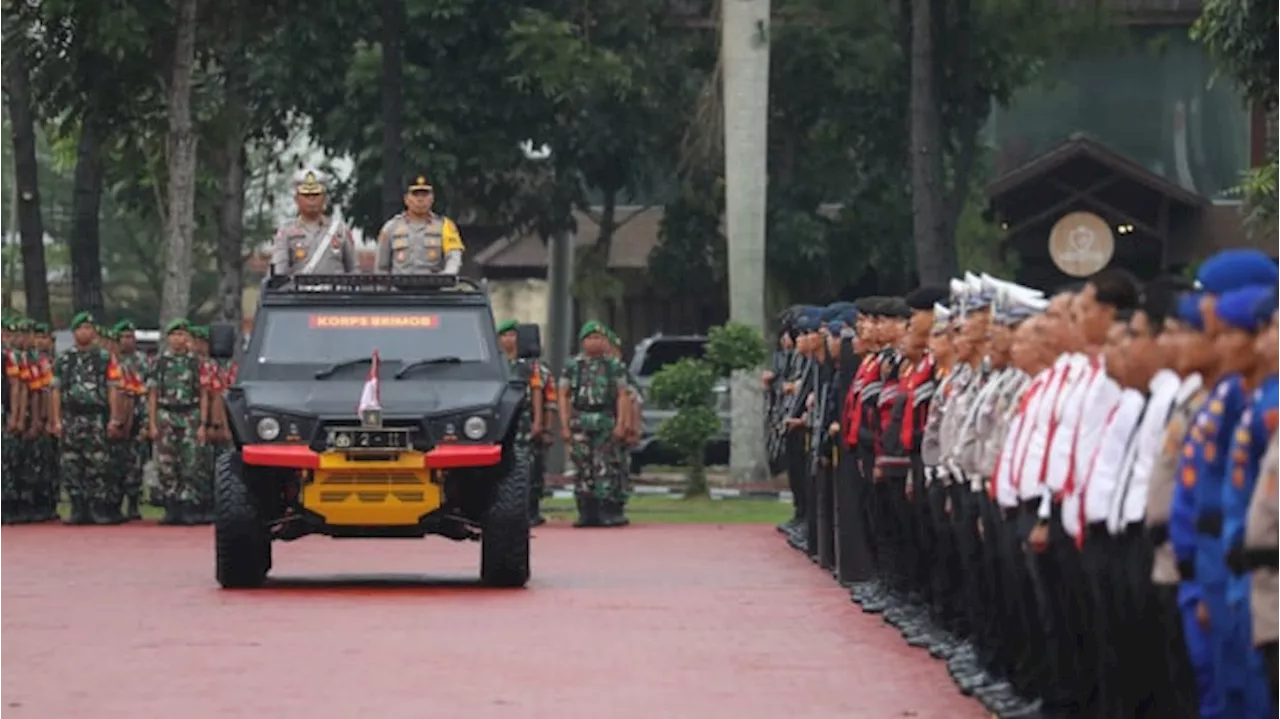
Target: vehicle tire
504 541
241 539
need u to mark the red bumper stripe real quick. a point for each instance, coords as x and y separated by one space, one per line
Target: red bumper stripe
447 456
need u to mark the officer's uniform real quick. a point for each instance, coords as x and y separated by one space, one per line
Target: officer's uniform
1263 525
1195 526
1246 686
412 245
320 247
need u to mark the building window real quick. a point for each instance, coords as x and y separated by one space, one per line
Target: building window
1154 100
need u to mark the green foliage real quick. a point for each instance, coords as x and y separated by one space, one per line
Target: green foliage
734 347
683 384
1241 36
691 247
688 432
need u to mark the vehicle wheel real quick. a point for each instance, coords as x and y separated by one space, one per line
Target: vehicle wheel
504 542
241 539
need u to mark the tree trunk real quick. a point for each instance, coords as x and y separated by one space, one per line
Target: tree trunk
969 124
232 152
180 224
86 202
935 253
393 180
744 47
35 284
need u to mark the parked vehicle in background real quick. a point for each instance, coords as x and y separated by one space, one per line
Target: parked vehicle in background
650 356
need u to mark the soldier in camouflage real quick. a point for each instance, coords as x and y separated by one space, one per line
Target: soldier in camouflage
45 473
593 400
210 388
615 508
12 508
85 382
175 406
128 449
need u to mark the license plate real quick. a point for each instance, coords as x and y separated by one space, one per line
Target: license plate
368 439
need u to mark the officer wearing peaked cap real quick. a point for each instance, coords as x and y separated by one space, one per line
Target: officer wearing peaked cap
312 243
418 241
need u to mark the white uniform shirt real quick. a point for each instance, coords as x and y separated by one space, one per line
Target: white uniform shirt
1129 504
1003 476
1030 457
1102 483
1064 445
1040 395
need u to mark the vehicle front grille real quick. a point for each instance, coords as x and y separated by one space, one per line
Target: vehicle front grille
371 497
389 478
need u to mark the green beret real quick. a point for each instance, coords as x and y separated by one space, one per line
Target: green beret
178 325
11 323
200 332
614 339
40 328
124 326
507 326
82 318
591 327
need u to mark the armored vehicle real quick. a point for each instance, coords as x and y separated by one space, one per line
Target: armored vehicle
371 406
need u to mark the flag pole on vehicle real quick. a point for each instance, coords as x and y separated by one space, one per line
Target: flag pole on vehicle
370 407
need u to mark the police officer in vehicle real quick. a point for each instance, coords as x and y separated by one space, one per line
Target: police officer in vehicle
418 241
312 243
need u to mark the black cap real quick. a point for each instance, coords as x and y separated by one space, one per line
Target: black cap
896 308
419 182
923 298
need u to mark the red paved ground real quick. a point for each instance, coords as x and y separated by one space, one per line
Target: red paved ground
652 622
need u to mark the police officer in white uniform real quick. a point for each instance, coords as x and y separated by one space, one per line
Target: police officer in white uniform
312 243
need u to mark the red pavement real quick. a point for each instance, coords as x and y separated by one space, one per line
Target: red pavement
651 622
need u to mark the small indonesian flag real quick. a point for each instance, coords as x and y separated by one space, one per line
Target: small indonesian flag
371 398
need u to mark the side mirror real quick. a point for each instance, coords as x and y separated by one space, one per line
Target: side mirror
222 341
528 341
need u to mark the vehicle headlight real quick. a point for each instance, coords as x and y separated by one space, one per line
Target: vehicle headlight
475 428
268 428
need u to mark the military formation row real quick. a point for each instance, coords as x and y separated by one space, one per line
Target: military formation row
1072 499
596 407
84 422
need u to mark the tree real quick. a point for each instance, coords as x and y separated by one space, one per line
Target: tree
180 225
26 170
688 386
1241 36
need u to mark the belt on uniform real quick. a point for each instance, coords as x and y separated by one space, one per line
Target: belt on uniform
1133 530
1210 523
1010 513
1159 533
84 408
1260 558
1187 570
591 408
1096 530
176 407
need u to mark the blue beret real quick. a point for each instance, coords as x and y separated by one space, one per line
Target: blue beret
849 316
835 326
1189 310
1236 308
1230 269
830 313
806 323
1265 307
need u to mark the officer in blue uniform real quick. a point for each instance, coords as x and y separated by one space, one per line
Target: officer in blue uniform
1195 526
1244 313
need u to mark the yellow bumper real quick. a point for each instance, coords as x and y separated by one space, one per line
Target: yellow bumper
372 493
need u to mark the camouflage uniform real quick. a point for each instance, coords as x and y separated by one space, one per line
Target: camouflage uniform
13 508
129 450
593 386
175 380
83 379
46 474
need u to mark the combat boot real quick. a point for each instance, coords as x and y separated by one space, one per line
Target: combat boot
535 511
131 508
80 513
198 515
106 513
612 514
588 511
172 514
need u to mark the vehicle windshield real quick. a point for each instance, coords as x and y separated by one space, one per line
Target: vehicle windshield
661 353
324 336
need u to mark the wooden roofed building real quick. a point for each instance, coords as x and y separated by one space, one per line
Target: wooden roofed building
1127 156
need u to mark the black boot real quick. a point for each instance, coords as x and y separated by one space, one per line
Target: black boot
106 513
588 511
196 514
80 513
612 514
172 513
131 508
535 512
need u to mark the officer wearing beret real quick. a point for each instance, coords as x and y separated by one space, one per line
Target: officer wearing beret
128 448
593 408
312 243
418 241
176 403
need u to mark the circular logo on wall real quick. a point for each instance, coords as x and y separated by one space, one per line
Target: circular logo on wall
1081 243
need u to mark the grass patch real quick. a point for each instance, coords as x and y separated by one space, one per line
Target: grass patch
645 509
672 510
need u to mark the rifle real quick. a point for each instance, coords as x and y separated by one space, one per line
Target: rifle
785 406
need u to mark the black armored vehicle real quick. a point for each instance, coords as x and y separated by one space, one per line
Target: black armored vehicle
371 406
